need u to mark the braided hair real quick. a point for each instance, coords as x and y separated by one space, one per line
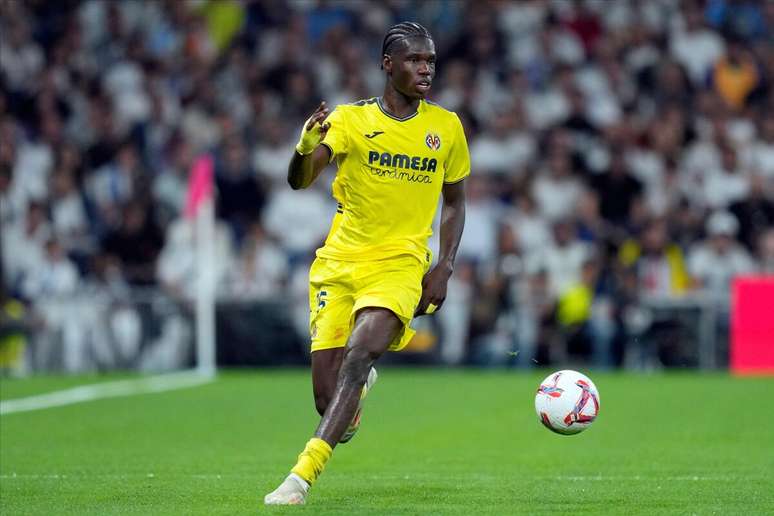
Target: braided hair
401 31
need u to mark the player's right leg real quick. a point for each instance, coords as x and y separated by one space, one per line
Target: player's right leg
330 310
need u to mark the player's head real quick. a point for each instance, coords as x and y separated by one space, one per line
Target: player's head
408 57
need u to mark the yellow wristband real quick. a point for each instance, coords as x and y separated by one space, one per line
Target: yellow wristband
303 150
309 140
430 308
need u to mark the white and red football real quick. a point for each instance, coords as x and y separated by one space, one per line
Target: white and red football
567 402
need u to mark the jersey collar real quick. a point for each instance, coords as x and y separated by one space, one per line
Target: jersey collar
409 117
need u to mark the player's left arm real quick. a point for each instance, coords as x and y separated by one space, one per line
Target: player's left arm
452 222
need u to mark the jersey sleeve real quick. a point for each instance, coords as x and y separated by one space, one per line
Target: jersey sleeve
458 161
337 139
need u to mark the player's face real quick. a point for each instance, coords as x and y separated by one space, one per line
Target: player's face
411 68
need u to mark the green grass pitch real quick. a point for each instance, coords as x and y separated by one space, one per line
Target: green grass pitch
432 442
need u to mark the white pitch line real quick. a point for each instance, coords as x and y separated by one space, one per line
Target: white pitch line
116 476
576 478
419 478
684 478
151 384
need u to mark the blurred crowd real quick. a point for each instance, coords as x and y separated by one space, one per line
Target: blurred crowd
622 156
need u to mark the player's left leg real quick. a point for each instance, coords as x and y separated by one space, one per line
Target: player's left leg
331 305
374 331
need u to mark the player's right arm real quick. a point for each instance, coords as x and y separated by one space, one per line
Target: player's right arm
310 158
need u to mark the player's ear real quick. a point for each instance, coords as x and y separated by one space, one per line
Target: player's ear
386 63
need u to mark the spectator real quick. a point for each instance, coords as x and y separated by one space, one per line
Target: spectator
114 184
694 45
171 183
657 264
68 213
735 76
715 262
54 275
271 153
725 184
24 243
9 207
618 191
755 213
22 57
555 189
504 150
12 200
564 259
742 18
261 270
240 196
177 269
479 242
759 155
308 212
592 227
530 229
663 196
136 243
654 274
47 283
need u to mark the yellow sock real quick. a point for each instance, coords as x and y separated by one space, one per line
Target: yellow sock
312 460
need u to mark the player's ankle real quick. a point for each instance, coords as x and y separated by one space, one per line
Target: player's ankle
303 483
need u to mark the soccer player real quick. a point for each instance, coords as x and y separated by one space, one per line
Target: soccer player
396 154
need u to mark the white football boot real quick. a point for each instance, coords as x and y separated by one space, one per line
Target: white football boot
292 491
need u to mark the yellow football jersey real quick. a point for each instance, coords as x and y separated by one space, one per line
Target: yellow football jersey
389 179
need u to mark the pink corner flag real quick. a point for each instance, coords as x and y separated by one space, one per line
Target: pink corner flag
199 185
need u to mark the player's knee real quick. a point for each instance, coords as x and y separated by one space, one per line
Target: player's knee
367 355
357 363
373 355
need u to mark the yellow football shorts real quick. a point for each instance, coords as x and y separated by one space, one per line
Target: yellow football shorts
337 290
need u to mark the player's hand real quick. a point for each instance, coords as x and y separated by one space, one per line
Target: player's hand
433 290
314 130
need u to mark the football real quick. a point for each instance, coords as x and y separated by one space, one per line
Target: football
567 402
